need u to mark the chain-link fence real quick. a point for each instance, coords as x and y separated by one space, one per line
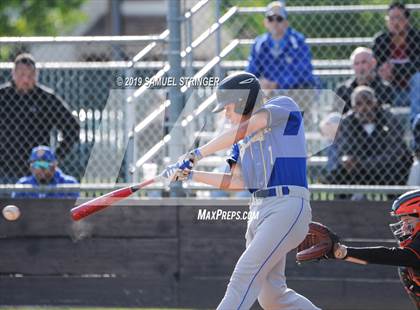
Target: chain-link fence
84 106
109 126
338 46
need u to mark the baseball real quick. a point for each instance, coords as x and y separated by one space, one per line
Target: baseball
11 212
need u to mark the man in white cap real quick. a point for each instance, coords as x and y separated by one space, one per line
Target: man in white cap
364 64
280 58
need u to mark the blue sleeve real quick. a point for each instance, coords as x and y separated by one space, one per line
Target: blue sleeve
73 195
23 181
279 114
234 155
304 65
15 195
254 65
70 180
32 195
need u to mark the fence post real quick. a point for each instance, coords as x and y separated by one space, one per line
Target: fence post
116 28
175 95
217 69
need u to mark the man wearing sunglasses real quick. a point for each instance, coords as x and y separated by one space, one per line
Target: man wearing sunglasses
280 58
43 166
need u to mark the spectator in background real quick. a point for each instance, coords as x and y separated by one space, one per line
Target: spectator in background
414 177
29 113
364 64
280 58
397 52
370 145
329 126
43 166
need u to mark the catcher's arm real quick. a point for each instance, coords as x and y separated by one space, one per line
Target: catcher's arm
379 255
322 243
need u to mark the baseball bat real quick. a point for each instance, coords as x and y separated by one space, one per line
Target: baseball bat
101 202
104 201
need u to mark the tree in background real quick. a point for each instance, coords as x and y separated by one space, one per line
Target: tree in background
37 18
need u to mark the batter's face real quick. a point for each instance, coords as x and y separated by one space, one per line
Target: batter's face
363 65
397 22
232 116
24 77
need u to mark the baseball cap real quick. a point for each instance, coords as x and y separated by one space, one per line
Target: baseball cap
43 153
362 93
25 59
276 8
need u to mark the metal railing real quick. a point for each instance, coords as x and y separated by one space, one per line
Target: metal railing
81 39
330 9
100 187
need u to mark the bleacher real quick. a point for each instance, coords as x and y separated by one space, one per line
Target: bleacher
70 80
329 71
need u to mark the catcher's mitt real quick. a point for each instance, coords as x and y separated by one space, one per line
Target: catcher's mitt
318 244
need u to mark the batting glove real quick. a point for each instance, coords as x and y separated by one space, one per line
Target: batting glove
184 174
172 172
194 156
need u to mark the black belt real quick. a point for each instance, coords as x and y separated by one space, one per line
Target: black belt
270 192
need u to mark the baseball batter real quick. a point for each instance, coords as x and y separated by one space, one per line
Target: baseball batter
269 159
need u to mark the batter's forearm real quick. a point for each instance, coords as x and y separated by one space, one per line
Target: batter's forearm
237 133
224 141
223 181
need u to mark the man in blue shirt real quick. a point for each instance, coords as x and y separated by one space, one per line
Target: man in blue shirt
43 165
280 58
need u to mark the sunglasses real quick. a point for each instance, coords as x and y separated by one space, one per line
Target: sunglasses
41 164
276 18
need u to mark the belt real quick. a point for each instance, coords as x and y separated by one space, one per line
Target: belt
282 191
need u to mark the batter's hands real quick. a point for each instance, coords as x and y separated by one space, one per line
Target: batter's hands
183 174
194 156
175 172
